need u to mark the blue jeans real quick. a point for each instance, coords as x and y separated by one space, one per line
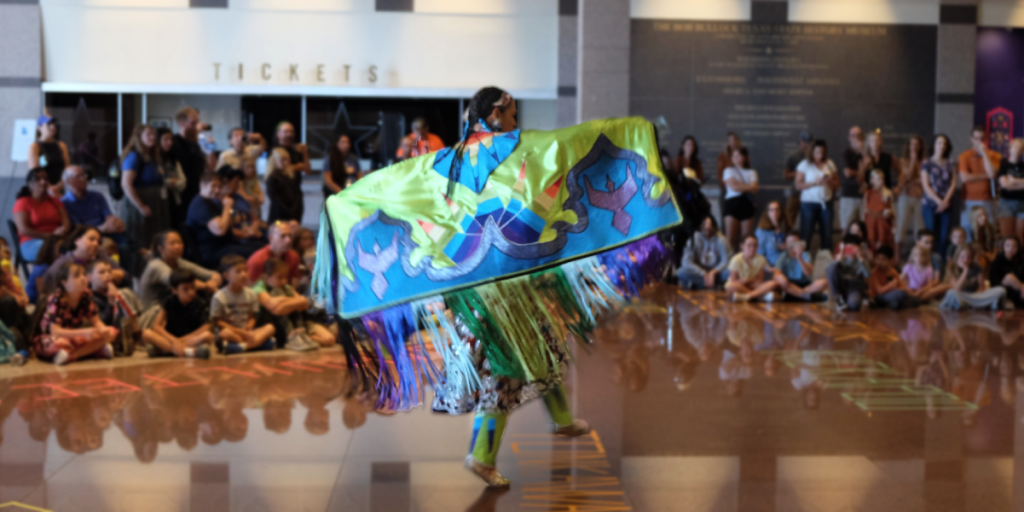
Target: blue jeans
937 223
30 249
690 279
811 213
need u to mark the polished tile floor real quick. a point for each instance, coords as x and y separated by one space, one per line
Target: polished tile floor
697 404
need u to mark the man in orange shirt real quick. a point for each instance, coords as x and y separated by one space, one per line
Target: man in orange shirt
420 141
977 167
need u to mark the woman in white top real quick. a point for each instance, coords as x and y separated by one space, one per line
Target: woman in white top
817 179
740 186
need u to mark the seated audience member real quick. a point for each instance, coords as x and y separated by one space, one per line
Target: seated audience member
7 265
154 285
234 310
705 258
926 241
968 287
280 305
304 244
210 222
113 305
747 275
38 215
879 211
1007 271
89 207
284 187
855 229
49 252
420 141
771 233
885 288
795 272
82 246
957 241
280 246
245 224
921 277
70 328
13 315
847 278
182 327
984 235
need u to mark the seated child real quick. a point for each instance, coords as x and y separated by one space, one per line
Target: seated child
182 326
286 309
113 305
234 309
7 266
885 288
746 275
305 245
795 271
968 288
957 241
13 315
921 277
847 278
926 241
70 328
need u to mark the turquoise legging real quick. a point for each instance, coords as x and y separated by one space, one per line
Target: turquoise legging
489 427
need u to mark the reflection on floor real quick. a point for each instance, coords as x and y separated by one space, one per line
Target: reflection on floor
697 404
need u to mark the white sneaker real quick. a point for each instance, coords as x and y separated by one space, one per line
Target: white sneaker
61 358
769 297
740 297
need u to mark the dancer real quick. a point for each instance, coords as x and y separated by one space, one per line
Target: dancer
391 261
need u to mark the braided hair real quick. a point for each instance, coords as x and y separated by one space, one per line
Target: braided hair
480 108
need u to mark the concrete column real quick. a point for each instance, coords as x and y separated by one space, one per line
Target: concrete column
603 71
21 71
568 61
954 81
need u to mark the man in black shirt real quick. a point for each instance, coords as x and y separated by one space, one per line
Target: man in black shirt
299 155
882 160
851 180
187 152
802 153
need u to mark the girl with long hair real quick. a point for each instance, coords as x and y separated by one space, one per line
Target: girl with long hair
145 206
741 185
771 233
341 167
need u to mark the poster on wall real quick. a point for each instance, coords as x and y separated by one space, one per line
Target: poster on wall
770 82
999 86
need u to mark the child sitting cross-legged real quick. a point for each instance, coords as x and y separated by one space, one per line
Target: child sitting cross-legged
287 310
921 277
795 271
182 327
70 328
234 310
885 288
113 305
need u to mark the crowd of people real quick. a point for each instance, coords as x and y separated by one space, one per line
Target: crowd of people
186 261
969 260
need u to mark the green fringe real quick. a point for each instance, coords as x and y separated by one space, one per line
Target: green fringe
555 286
469 307
522 315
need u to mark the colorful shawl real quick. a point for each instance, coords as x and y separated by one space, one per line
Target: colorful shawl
513 248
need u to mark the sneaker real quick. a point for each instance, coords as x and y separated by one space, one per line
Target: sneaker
769 297
575 429
840 305
233 348
740 297
107 352
61 358
268 345
818 297
219 345
488 474
309 341
154 351
17 359
202 352
297 343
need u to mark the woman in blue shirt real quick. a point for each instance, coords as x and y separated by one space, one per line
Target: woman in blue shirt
771 233
145 207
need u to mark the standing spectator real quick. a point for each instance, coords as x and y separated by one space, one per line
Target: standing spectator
190 156
880 159
938 179
878 211
341 167
705 258
816 179
210 220
852 180
280 246
977 170
298 163
155 285
251 189
144 207
244 146
174 176
49 152
205 139
740 187
771 233
803 152
733 143
420 141
284 188
70 328
968 287
747 280
689 158
1011 197
37 214
909 191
